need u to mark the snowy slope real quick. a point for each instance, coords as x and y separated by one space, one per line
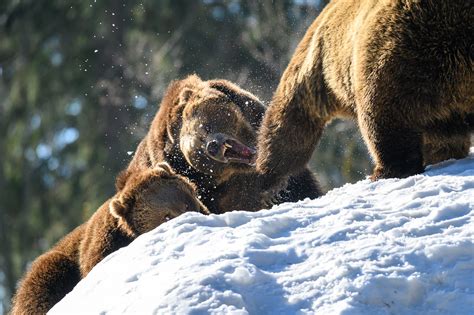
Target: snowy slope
398 246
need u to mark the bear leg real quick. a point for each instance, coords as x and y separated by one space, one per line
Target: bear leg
447 139
300 186
286 140
436 150
395 146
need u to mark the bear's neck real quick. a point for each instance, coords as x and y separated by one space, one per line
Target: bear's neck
180 165
206 184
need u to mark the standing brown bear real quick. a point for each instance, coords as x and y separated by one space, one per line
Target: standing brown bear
207 130
402 68
148 199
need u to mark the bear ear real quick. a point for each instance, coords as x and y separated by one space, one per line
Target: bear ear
118 208
185 95
250 106
163 166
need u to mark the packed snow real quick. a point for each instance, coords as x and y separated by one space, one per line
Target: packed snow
396 246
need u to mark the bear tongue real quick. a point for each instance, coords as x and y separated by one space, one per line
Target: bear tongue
238 152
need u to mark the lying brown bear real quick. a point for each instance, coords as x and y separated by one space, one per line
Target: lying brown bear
402 68
206 130
148 199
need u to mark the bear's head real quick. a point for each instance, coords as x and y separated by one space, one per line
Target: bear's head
151 197
214 124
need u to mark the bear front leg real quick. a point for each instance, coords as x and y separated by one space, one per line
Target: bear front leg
289 133
395 147
300 186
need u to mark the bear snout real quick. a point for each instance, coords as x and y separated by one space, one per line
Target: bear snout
224 148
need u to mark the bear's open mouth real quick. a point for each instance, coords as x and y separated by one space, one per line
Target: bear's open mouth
225 149
238 152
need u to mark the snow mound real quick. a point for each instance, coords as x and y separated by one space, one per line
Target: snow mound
397 246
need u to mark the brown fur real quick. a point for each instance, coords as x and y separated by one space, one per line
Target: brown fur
203 108
193 111
402 68
148 199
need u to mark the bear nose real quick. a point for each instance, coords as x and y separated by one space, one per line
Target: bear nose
213 147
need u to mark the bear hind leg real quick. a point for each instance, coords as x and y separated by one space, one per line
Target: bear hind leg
395 146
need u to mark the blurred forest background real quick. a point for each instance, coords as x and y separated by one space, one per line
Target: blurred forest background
81 80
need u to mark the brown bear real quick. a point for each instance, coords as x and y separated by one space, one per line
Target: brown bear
206 130
402 68
147 199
